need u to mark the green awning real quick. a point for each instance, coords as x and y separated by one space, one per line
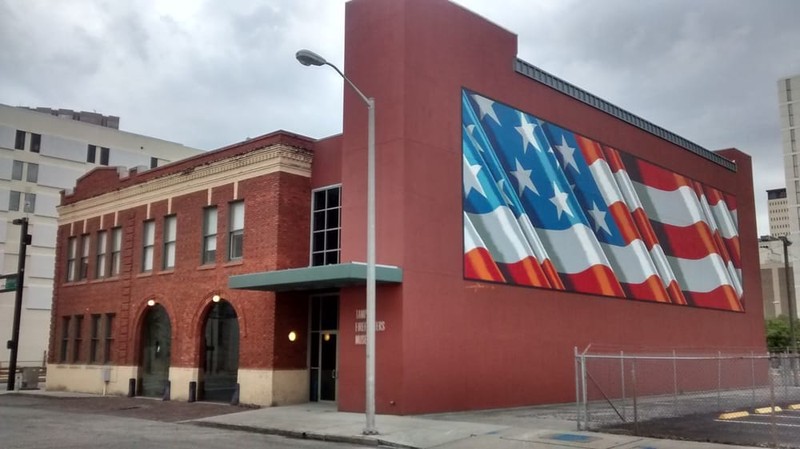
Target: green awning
314 278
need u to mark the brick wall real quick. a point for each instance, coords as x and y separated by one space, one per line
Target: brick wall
276 235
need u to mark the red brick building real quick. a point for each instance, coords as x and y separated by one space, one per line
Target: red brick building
518 217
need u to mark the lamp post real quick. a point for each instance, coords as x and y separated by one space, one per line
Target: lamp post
307 58
13 344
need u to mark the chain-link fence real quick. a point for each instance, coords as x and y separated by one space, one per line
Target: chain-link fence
621 388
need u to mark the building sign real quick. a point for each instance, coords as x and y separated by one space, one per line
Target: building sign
545 207
8 283
361 326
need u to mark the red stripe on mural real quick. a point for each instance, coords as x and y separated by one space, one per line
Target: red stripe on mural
598 279
659 178
591 150
686 242
525 272
478 265
650 290
723 297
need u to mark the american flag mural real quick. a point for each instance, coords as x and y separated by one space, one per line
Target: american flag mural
545 207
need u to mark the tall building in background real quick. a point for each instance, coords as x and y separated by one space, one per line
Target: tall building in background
44 151
788 95
778 207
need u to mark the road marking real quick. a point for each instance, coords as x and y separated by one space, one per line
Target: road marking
764 410
734 415
759 423
794 407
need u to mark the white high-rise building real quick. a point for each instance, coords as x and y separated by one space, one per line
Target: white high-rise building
43 152
789 104
778 208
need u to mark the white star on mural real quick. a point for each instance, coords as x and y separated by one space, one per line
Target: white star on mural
525 129
486 107
568 153
559 199
523 179
599 218
471 178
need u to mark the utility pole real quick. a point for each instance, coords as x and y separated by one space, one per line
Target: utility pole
13 344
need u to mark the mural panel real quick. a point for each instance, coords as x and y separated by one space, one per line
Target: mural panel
545 207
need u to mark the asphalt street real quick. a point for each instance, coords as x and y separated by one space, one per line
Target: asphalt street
122 423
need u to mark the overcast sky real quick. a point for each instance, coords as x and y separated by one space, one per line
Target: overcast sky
211 73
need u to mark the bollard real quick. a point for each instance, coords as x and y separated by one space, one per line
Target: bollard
235 398
165 397
192 391
131 387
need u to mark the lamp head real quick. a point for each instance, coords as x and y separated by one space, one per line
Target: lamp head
308 57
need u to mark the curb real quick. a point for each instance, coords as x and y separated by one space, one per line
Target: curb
297 434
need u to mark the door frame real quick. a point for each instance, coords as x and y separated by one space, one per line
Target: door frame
319 334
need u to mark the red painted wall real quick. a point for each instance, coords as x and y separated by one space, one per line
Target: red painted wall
452 344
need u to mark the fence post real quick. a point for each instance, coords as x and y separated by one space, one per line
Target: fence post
753 376
719 380
675 380
585 394
622 380
577 389
635 402
772 404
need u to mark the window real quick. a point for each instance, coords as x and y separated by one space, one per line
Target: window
19 142
13 200
170 224
36 142
83 265
62 353
76 344
100 269
153 162
116 251
16 170
209 235
148 241
104 156
72 247
33 173
325 226
91 153
94 344
236 231
30 203
109 334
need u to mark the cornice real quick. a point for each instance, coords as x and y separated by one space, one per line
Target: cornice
272 159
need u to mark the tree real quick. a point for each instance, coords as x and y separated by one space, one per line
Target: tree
778 339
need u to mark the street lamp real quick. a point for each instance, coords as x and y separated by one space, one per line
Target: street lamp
307 58
13 344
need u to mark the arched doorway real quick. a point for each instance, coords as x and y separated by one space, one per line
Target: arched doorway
156 345
220 353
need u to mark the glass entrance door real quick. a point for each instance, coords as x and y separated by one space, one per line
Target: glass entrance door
156 343
323 347
221 353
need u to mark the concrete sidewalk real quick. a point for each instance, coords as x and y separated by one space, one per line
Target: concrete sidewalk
498 429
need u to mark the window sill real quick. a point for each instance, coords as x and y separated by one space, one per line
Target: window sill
146 274
206 267
169 271
234 263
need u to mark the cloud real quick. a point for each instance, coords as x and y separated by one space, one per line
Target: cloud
210 73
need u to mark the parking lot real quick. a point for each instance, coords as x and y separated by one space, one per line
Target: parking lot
754 427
